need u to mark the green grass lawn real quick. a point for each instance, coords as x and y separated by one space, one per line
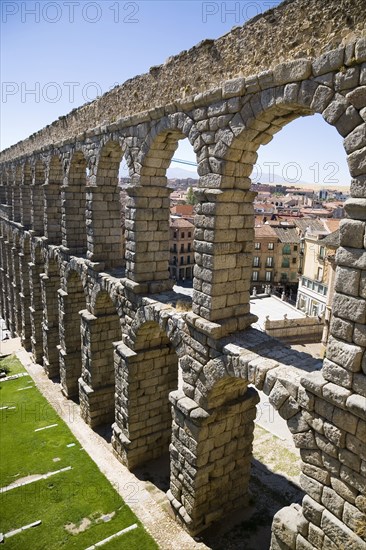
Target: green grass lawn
81 495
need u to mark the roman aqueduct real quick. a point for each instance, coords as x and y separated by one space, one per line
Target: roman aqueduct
97 307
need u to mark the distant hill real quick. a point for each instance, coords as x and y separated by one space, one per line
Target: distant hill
272 179
181 173
278 179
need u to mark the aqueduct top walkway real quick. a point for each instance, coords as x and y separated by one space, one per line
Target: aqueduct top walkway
97 307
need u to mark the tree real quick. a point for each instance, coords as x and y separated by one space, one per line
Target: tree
191 199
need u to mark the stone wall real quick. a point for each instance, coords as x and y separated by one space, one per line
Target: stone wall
126 293
309 329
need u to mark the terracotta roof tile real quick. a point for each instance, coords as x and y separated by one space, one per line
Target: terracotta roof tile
180 223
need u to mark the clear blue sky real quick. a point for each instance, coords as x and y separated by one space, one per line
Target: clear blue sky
57 55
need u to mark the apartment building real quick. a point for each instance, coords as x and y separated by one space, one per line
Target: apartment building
317 280
181 249
265 245
276 258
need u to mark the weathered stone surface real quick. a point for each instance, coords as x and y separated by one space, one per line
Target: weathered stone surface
336 394
312 487
315 536
358 97
341 329
285 525
316 473
340 534
345 355
299 69
356 160
351 233
337 374
358 186
346 491
305 440
232 88
355 208
349 308
355 520
357 405
278 395
359 384
360 49
314 382
331 464
348 280
355 140
360 502
328 62
312 510
333 502
302 543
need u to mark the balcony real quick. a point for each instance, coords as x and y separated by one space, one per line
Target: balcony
314 285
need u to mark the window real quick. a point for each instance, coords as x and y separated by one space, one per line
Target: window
270 246
292 276
283 276
295 247
269 262
189 234
294 260
256 261
257 246
182 247
182 260
285 262
322 252
189 247
286 249
268 276
182 235
176 234
174 247
319 275
188 260
255 276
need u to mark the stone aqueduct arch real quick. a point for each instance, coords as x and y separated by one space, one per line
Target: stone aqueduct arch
60 243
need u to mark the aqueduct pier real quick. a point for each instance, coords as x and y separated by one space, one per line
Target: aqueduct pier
97 307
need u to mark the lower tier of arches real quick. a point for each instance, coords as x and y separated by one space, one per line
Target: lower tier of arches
163 383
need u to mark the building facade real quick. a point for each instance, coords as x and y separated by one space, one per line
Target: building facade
318 267
275 258
181 249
